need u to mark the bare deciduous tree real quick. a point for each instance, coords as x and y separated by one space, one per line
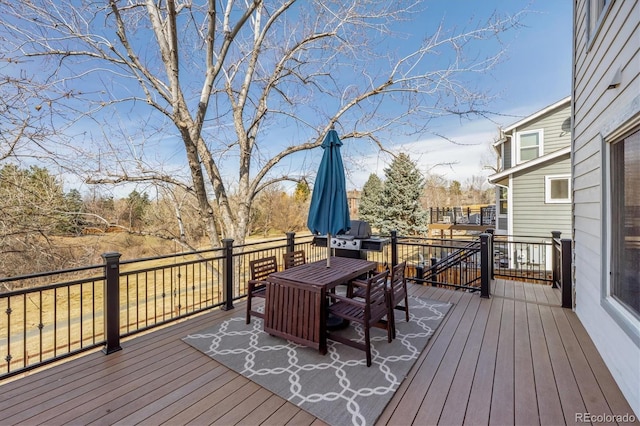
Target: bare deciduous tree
213 96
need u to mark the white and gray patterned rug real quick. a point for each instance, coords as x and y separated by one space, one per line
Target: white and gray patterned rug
338 387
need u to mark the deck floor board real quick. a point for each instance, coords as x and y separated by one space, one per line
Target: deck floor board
452 412
568 391
479 405
514 358
502 398
525 399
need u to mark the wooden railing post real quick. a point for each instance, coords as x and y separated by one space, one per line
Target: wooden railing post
561 268
565 250
492 265
112 302
227 273
291 242
485 265
394 248
420 271
433 277
556 255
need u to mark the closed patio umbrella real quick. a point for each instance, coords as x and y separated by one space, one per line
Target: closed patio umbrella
329 211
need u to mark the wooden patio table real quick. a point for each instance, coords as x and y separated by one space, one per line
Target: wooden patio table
296 305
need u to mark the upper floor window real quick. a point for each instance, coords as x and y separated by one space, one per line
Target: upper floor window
596 11
529 145
558 189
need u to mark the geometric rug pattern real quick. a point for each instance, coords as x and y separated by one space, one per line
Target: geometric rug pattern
338 387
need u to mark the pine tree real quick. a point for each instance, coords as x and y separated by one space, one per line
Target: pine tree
369 207
400 205
302 192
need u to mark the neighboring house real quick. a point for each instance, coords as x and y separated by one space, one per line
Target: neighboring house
533 181
606 183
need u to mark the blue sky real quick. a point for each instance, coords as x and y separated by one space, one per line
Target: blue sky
535 73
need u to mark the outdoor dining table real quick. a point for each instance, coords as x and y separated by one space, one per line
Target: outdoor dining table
296 305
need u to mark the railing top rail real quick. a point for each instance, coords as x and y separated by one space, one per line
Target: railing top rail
168 256
50 273
53 286
541 239
257 243
422 240
455 258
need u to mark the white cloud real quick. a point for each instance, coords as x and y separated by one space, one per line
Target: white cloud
454 161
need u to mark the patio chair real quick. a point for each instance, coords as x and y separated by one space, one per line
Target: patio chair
397 290
459 215
260 270
368 312
294 258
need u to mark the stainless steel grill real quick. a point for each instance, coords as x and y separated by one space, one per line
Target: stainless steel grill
346 242
355 242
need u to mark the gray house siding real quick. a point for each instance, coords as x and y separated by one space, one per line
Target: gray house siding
529 213
506 161
603 111
556 134
532 216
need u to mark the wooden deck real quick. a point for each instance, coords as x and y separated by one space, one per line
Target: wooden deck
517 358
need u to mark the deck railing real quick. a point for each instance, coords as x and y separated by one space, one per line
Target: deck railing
442 262
561 267
485 216
49 316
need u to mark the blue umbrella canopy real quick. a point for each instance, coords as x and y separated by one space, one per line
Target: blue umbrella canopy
329 210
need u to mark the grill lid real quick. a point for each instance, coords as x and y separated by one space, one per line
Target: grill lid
359 229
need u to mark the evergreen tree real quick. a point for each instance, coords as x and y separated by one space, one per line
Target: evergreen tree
33 208
302 192
369 208
31 200
74 207
137 204
455 193
400 205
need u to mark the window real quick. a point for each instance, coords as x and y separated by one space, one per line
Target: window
625 222
557 189
529 145
503 206
596 12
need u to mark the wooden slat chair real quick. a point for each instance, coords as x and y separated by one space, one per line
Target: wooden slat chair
397 289
367 312
260 270
294 258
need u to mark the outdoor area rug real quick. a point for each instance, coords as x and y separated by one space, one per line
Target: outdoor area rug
338 387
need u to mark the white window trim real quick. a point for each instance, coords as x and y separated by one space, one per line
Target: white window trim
629 323
547 190
540 133
593 30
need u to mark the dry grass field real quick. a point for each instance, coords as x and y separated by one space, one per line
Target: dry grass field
42 324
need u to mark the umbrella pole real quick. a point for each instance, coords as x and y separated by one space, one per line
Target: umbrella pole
328 249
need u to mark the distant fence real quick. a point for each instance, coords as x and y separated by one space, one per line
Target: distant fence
485 216
54 315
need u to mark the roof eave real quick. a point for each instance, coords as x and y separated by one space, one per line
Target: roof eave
529 164
538 114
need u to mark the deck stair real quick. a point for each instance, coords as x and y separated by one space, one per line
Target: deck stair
456 260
